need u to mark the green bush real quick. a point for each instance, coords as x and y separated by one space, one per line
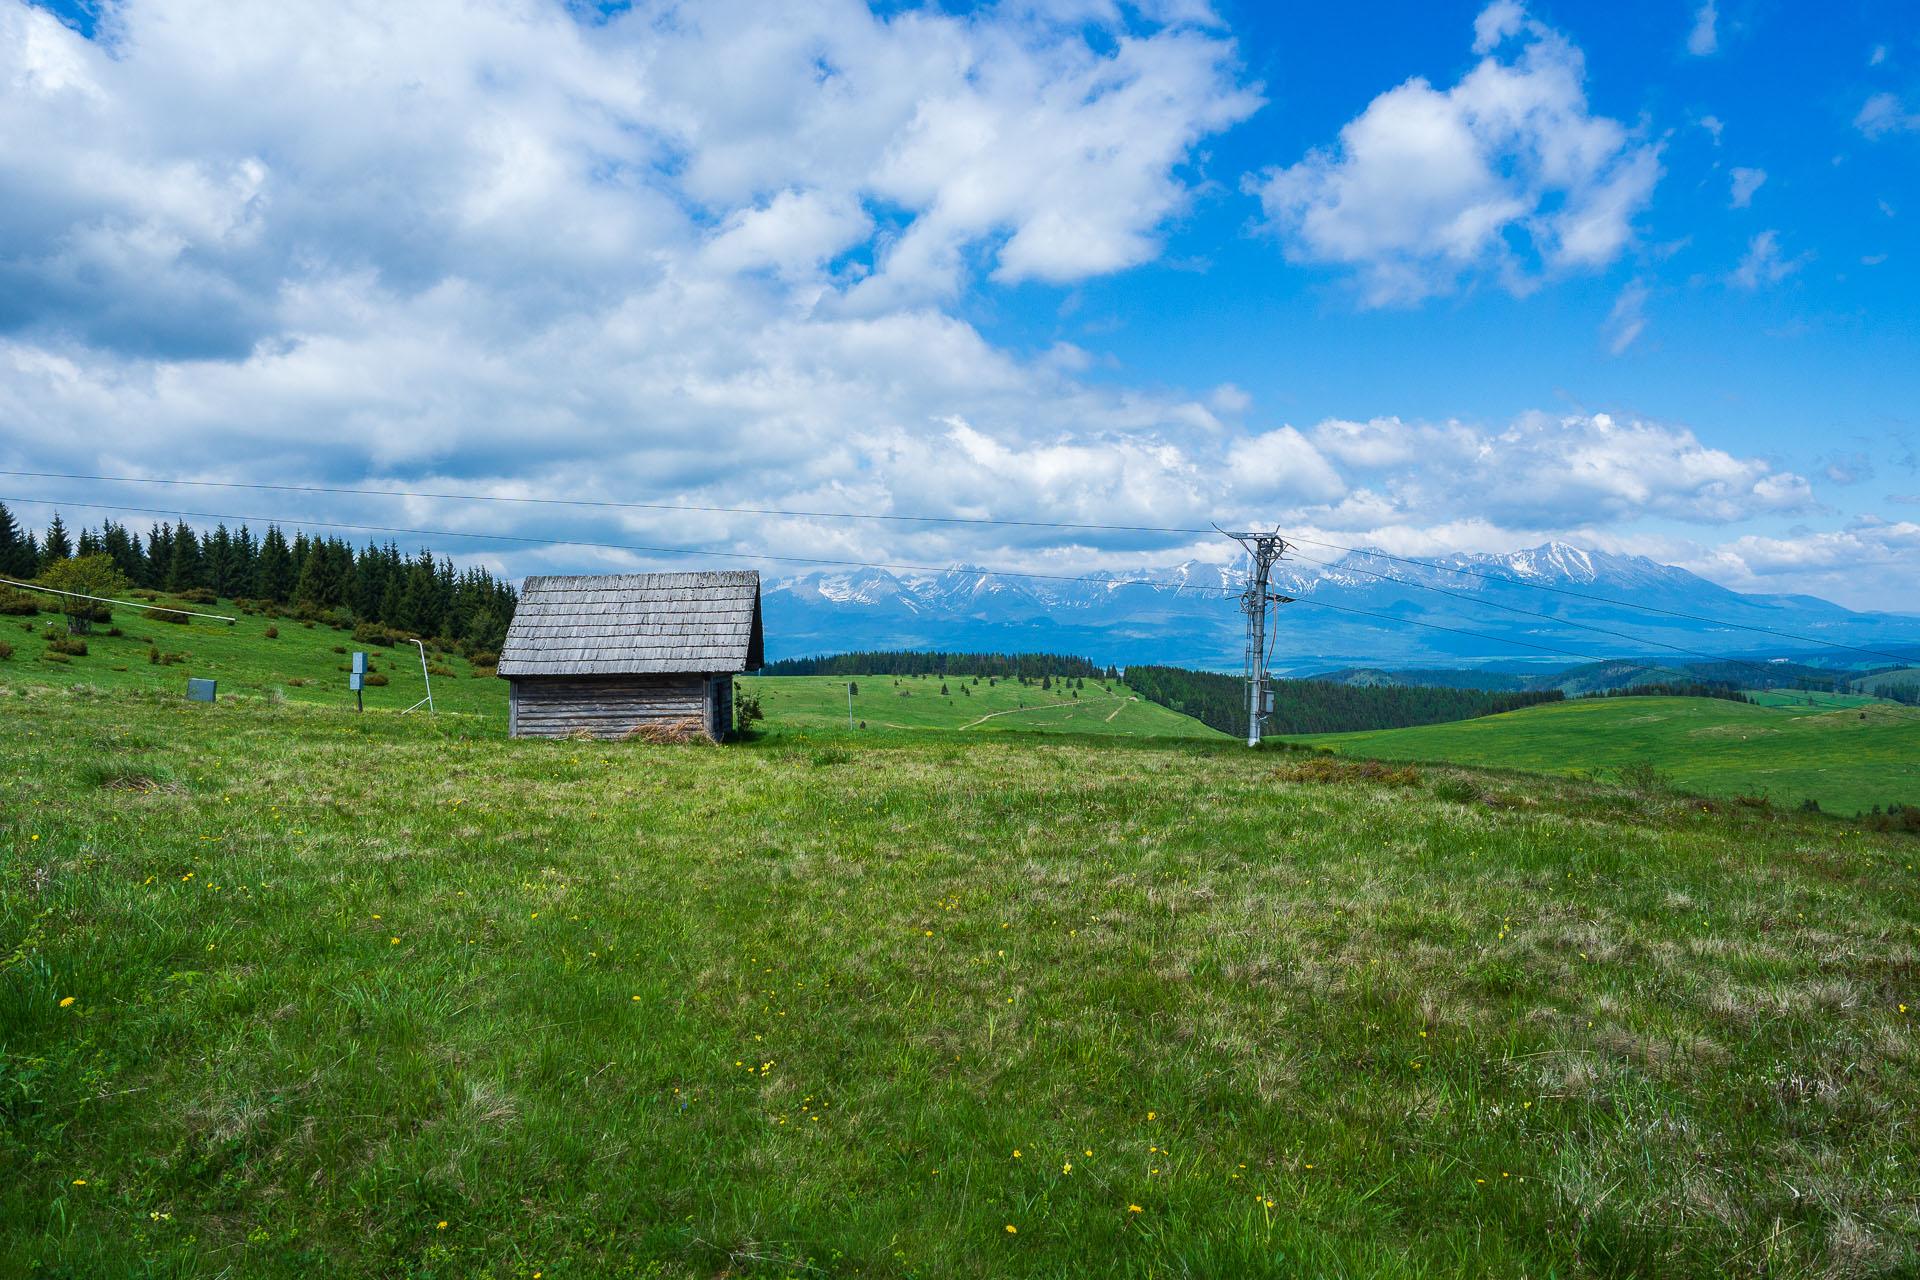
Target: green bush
6 651
153 655
375 680
17 604
54 655
435 669
199 595
174 616
273 633
374 633
72 646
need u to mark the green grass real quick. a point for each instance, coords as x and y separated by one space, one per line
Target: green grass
1906 675
915 702
1848 759
300 665
844 1004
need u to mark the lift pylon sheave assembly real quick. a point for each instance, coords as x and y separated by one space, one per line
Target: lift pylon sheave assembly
1265 550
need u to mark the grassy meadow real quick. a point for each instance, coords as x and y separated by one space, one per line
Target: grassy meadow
915 702
1848 754
302 662
290 992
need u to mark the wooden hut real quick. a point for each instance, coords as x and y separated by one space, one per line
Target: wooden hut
618 654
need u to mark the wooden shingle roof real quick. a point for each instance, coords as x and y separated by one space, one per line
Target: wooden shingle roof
635 624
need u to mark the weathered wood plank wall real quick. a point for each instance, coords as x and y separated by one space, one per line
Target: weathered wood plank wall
608 707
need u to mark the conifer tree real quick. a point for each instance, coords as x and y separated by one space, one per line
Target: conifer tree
159 555
187 569
218 553
124 550
273 569
18 558
57 547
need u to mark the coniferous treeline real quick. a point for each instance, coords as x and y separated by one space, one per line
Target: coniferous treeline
1672 689
1008 666
1320 706
308 576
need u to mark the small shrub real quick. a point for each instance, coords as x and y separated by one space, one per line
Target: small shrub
339 648
485 658
6 651
1643 777
115 632
173 659
374 633
374 680
273 633
153 655
199 595
17 604
54 655
863 724
297 682
144 595
435 669
308 624
72 646
746 710
174 616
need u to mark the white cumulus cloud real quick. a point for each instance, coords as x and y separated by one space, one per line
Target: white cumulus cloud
1507 172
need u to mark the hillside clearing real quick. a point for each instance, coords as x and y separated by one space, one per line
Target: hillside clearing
915 702
367 996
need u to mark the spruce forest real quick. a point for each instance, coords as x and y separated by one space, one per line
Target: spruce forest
310 577
1320 706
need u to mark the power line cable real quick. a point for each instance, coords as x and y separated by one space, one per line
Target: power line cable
1546 617
337 490
612 505
605 546
1598 599
857 564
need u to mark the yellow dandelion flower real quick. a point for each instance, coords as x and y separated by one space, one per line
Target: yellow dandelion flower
66 1002
440 1225
79 1182
1012 1230
1134 1208
1149 1115
1016 1153
1067 1168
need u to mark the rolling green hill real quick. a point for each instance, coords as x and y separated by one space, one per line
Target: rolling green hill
287 992
299 665
1848 758
915 702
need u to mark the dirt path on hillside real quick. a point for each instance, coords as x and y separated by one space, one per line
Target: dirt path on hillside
1043 707
1122 707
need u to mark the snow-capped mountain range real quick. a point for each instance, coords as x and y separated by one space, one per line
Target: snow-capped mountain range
1359 608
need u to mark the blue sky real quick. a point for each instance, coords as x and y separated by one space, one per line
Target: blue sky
1433 277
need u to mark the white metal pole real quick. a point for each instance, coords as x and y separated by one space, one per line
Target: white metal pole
425 675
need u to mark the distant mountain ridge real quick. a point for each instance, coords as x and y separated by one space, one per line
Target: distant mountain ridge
1189 615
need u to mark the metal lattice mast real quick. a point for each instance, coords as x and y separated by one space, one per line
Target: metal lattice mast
1265 550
